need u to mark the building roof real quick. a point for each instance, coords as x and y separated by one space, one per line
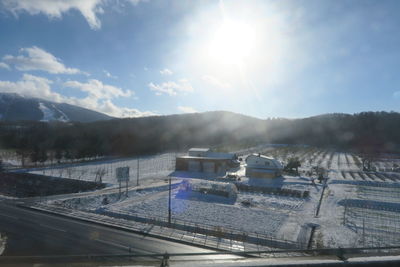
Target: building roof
207 153
206 157
262 156
197 149
276 164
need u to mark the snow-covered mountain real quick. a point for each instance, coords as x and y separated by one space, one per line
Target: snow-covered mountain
14 107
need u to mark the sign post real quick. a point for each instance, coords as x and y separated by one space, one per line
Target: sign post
122 175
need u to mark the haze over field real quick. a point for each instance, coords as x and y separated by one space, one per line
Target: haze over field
129 58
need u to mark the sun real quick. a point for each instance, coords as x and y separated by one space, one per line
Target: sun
232 42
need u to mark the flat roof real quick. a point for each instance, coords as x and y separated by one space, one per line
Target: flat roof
207 158
199 149
262 156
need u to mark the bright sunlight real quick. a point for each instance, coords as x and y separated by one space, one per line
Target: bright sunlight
232 42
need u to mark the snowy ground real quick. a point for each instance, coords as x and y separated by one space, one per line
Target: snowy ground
216 211
155 167
358 208
264 213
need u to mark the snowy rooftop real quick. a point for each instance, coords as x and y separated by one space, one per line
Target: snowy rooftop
263 156
216 156
206 153
195 149
256 164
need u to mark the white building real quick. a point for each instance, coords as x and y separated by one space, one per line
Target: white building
260 166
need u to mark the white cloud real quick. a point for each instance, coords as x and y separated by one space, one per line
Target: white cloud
171 88
33 86
215 82
109 75
135 2
55 8
4 66
97 90
166 72
122 112
99 96
186 109
35 58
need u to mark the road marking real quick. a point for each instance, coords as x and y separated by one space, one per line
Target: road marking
9 216
121 246
111 243
53 228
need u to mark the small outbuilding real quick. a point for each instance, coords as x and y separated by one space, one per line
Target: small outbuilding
260 166
228 190
207 161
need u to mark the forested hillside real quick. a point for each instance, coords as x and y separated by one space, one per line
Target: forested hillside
368 131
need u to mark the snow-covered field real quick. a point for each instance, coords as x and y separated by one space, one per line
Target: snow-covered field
214 212
150 168
358 208
360 215
264 214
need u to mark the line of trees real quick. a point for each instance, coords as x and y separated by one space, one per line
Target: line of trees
368 133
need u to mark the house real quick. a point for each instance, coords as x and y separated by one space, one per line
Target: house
260 166
207 161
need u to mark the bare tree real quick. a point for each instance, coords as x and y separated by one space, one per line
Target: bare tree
69 172
99 175
83 172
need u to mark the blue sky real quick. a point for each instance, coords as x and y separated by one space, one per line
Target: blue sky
261 58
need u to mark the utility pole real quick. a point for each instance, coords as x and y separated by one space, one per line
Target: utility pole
169 202
126 187
120 189
363 233
137 173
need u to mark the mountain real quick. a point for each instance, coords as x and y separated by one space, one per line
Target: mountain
14 107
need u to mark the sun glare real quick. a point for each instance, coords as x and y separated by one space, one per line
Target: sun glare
232 43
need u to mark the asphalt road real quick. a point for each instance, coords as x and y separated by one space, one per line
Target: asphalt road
33 233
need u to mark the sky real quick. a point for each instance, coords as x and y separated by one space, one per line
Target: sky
130 58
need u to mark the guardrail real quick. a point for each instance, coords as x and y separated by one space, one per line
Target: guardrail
342 254
259 239
165 233
219 232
